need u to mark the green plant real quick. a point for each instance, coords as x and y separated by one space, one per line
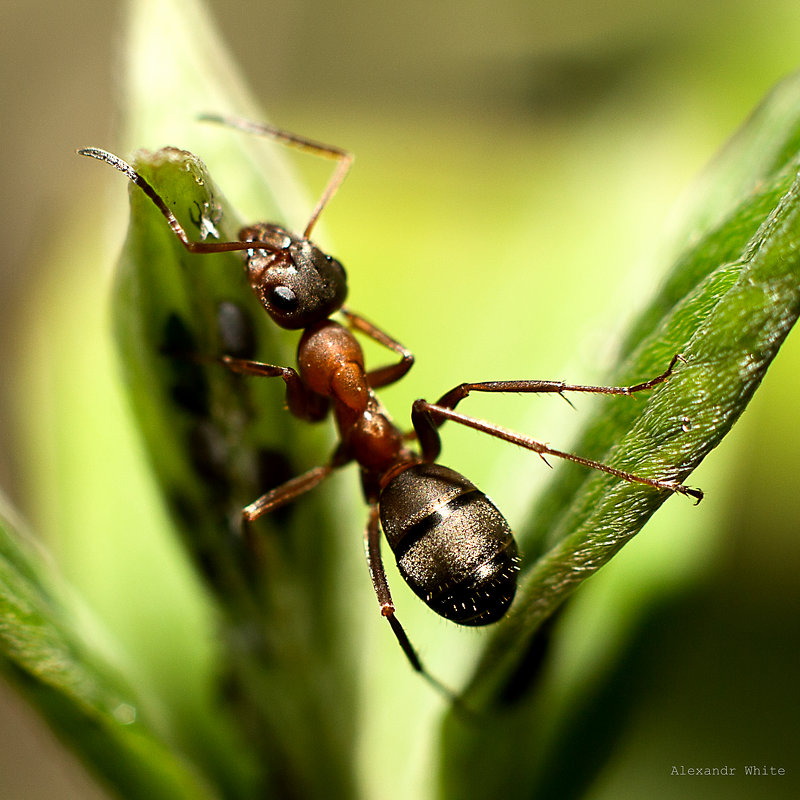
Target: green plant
279 713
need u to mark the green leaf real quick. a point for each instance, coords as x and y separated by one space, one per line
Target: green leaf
285 712
726 306
61 672
279 698
217 440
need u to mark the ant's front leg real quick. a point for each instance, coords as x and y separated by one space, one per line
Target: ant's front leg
383 376
303 403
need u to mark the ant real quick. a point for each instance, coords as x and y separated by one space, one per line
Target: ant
453 547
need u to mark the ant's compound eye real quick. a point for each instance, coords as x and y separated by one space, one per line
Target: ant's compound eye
283 299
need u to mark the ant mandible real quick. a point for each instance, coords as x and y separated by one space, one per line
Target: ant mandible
453 547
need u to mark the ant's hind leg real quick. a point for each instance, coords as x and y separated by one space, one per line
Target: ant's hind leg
372 546
428 416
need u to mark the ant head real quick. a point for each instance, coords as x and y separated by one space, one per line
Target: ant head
295 281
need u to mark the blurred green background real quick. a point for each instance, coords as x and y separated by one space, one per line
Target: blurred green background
516 165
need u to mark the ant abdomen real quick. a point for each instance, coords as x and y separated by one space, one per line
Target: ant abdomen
452 545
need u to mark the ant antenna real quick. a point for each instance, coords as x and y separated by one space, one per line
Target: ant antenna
193 247
344 158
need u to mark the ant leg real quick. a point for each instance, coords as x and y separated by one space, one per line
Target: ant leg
427 417
393 372
344 158
276 244
275 498
285 493
452 398
372 547
302 402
